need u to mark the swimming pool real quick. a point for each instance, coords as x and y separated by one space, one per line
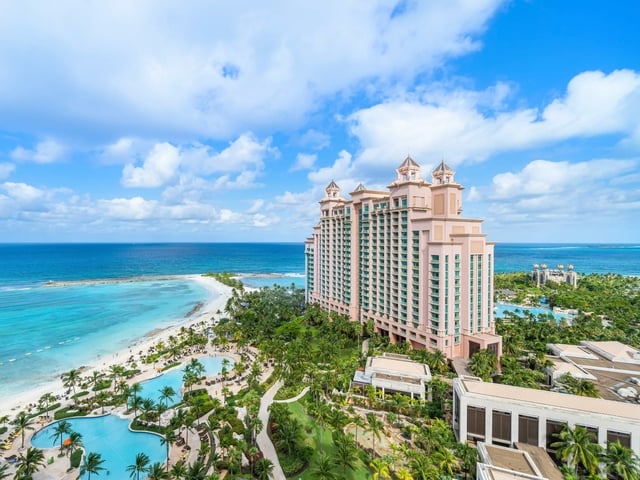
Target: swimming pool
111 438
173 378
500 308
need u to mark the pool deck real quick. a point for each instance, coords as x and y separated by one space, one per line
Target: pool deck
58 469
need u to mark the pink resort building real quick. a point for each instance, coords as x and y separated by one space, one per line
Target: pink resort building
407 260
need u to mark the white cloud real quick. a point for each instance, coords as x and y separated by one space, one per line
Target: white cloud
563 196
459 125
341 169
23 193
304 161
256 206
136 208
122 151
246 152
6 169
542 177
46 151
314 139
158 168
219 69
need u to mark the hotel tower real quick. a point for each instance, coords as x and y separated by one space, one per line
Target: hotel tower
407 260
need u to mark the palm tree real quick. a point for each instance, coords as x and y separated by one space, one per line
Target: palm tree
101 397
115 371
23 422
166 394
345 453
135 403
71 379
29 463
577 448
92 464
380 469
141 465
421 467
3 471
157 472
324 468
74 442
45 401
445 460
61 429
169 439
196 471
375 427
621 462
263 469
483 364
179 470
403 473
95 381
134 390
358 421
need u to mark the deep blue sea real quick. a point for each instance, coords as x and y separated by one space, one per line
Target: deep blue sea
45 331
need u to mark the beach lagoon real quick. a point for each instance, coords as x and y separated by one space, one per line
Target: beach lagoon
48 330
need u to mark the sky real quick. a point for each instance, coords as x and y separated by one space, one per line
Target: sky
200 121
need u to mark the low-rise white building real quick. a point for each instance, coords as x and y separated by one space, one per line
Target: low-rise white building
394 373
503 414
524 462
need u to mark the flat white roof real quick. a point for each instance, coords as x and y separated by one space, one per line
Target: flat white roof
553 399
575 351
401 367
614 351
561 367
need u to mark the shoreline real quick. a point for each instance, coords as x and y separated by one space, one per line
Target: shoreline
209 308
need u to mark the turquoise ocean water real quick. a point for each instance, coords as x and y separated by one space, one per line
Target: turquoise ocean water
45 331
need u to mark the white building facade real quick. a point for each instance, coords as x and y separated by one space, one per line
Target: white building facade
503 415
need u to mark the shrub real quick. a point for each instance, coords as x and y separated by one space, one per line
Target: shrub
76 458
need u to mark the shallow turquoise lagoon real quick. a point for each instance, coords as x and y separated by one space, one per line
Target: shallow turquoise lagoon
500 308
173 378
110 437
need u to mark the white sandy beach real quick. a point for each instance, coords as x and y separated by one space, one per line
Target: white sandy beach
12 405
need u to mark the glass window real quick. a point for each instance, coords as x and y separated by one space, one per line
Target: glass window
501 426
623 438
475 421
528 430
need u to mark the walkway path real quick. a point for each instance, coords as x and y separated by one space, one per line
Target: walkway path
264 442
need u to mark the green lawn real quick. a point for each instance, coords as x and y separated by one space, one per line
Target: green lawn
313 432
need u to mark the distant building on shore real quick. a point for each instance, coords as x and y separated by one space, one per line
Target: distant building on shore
406 260
541 274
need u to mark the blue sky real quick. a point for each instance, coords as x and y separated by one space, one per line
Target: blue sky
223 121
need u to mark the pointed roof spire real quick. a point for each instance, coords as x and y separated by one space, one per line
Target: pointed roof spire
332 190
360 188
443 174
443 168
408 162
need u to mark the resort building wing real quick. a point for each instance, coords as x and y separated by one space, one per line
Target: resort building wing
503 415
406 260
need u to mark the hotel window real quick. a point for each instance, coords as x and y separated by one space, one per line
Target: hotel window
475 422
623 438
528 430
553 430
501 427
